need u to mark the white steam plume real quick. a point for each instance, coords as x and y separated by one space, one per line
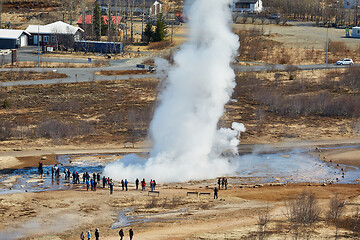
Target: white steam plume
187 144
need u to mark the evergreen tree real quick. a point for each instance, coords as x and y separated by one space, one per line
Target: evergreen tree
97 21
148 33
161 29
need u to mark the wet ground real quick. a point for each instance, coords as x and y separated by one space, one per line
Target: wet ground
283 167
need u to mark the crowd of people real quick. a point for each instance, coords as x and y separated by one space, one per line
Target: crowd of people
92 181
97 234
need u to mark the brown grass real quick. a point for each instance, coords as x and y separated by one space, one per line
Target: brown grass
159 45
121 72
29 75
55 65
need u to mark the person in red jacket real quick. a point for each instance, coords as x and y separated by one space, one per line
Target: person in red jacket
121 234
143 184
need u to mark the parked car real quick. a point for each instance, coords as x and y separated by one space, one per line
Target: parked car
152 69
345 61
275 16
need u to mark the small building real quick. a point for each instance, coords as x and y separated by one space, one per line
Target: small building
350 3
54 34
11 38
98 46
355 32
247 6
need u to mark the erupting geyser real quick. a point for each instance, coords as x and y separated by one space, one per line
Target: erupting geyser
187 143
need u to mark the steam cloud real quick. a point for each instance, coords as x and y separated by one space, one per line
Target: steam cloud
187 143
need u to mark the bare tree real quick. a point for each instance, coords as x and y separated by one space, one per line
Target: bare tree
0 12
83 12
335 212
68 9
109 21
132 19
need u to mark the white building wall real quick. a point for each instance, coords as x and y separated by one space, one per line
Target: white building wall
356 32
257 7
23 40
350 3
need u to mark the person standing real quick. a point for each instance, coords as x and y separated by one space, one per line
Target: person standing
41 171
122 184
216 193
87 184
151 185
137 183
126 184
89 235
219 182
104 181
121 234
143 184
82 236
226 183
131 233
97 235
111 187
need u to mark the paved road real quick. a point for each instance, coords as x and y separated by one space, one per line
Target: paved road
88 74
279 67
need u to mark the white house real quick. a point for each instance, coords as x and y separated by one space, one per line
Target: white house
11 38
350 3
155 7
356 32
247 6
53 33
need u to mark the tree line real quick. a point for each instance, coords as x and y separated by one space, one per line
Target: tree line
322 11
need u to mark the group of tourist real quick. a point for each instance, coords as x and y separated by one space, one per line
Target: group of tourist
97 234
92 182
222 183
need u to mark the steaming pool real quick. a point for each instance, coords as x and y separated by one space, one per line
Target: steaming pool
287 166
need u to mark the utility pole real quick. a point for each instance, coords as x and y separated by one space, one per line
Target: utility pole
327 42
142 22
109 20
172 23
356 12
38 46
132 20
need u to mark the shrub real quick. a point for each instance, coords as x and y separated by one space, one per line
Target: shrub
263 220
56 129
335 212
350 79
6 104
71 105
337 47
304 210
159 45
5 130
152 203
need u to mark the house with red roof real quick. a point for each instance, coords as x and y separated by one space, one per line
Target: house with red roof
88 19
